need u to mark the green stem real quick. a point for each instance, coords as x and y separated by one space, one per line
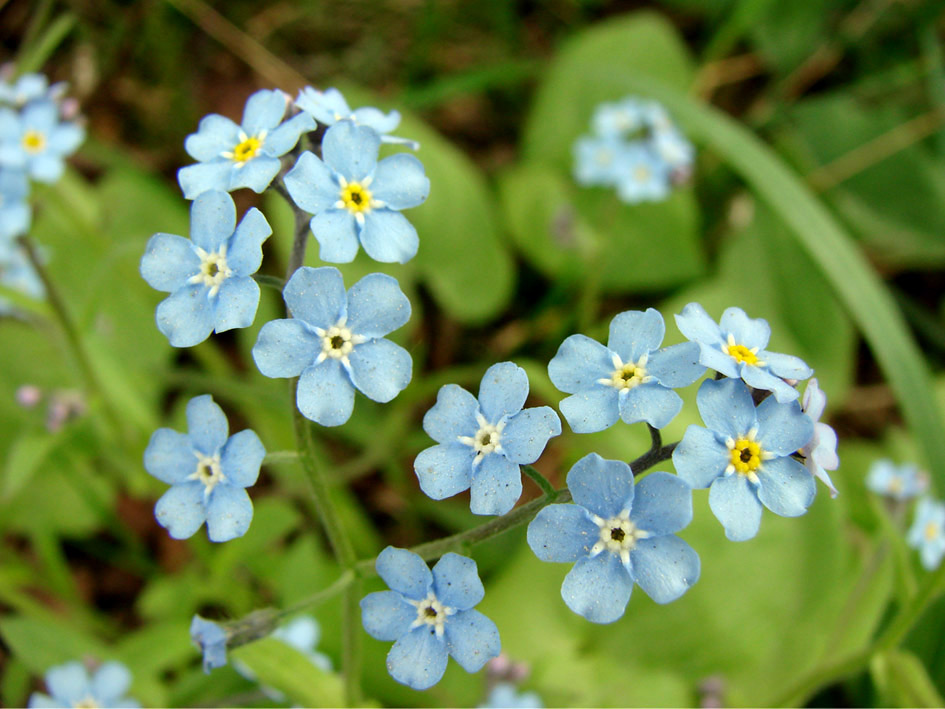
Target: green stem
273 282
277 457
341 584
652 457
541 480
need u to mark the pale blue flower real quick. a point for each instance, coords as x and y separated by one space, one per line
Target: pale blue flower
356 199
209 276
231 156
820 455
736 348
620 119
210 638
927 533
334 342
28 88
208 472
644 176
70 685
900 482
631 378
329 106
35 141
429 616
745 457
483 443
619 534
17 273
505 695
15 213
598 160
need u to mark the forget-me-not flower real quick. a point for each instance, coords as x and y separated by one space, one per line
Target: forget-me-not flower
36 141
209 276
28 88
208 472
356 199
644 176
482 443
231 156
15 214
900 482
429 616
210 638
820 455
927 533
334 342
630 378
505 695
329 106
599 160
736 348
619 534
70 685
744 456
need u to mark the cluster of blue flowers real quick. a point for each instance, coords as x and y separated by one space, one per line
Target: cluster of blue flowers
38 130
635 148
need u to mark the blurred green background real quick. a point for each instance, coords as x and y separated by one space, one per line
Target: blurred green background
818 203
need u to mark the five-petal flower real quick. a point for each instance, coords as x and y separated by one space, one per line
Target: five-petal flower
36 141
619 534
70 685
900 482
927 533
429 616
329 106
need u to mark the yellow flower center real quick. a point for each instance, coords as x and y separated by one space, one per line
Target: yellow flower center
356 197
247 149
87 703
745 456
34 141
931 531
740 353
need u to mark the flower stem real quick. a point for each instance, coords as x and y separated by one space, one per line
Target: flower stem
340 584
653 456
273 282
297 257
540 480
276 457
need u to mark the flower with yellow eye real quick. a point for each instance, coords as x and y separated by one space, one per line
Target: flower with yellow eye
35 141
927 533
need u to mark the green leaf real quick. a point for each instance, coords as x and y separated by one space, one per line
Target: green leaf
903 680
282 667
40 644
27 453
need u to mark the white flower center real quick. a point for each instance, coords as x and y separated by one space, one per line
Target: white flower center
209 472
337 342
618 535
431 612
487 439
627 376
213 269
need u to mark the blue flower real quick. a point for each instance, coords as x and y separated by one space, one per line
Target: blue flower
15 215
599 160
429 616
329 106
736 348
630 378
71 686
335 343
210 638
504 695
820 455
900 482
354 198
482 443
621 119
744 457
28 88
644 176
210 276
208 473
927 533
618 535
231 156
34 140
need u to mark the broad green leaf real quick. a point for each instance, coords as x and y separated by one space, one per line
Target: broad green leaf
903 680
40 644
26 455
288 670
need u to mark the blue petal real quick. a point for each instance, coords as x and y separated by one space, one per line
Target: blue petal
735 504
635 333
46 168
325 393
380 369
215 135
180 510
453 415
388 237
783 428
38 700
787 487
337 235
351 150
169 456
726 407
696 325
241 457
400 182
526 433
203 177
206 424
256 173
496 486
700 457
472 639
244 254
377 306
579 363
604 487
562 533
65 138
229 512
264 110
211 639
787 366
456 582
186 316
110 682
662 505
236 304
286 136
385 615
317 296
676 366
285 347
650 402
444 470
760 378
712 357
68 683
168 262
598 588
326 106
503 391
664 567
212 220
377 119
311 184
747 331
418 659
404 572
591 410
